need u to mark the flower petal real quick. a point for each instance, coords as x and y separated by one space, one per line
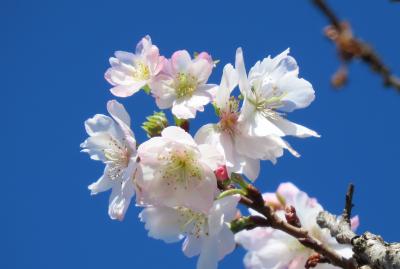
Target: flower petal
162 223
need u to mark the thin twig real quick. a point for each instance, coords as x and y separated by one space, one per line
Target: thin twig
349 204
350 47
254 200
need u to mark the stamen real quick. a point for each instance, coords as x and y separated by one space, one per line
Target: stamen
141 72
186 85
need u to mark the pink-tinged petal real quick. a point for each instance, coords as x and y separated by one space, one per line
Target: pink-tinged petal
181 61
288 190
201 69
209 89
355 222
126 91
144 45
158 67
125 57
118 76
205 56
297 262
272 200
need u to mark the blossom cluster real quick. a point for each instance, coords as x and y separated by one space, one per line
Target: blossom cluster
174 176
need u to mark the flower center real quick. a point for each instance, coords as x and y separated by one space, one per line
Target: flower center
117 158
141 72
267 106
193 223
186 85
228 121
182 168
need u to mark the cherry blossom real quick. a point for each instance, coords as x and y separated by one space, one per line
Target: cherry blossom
206 234
273 87
176 171
182 84
130 72
268 248
112 142
242 151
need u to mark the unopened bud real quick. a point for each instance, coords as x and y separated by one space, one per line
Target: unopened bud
291 216
155 124
221 173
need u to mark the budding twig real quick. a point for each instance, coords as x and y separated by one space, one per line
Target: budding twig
255 201
350 47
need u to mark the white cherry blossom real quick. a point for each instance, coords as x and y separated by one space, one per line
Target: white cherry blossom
177 171
242 151
182 84
112 142
130 72
206 234
273 249
273 87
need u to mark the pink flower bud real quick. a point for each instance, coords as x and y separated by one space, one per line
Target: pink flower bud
221 173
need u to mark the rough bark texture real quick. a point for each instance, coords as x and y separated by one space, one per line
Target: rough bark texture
370 250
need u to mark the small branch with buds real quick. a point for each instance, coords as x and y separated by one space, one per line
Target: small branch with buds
292 226
350 47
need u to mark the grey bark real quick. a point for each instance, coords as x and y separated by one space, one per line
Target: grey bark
370 250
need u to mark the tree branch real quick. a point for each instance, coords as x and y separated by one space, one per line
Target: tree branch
369 250
350 47
254 200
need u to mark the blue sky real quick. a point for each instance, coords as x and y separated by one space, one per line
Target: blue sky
54 54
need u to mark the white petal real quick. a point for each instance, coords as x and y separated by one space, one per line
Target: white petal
199 99
228 82
121 116
223 210
175 133
226 242
99 124
298 92
241 69
251 169
211 156
121 195
182 110
162 223
290 128
118 112
104 183
95 146
191 246
209 254
128 90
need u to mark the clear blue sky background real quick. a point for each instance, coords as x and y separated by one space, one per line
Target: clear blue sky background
54 54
